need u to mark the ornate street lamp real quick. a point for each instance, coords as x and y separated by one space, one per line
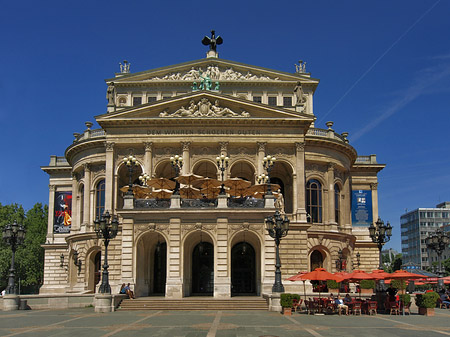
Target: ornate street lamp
358 259
438 241
14 236
268 165
131 162
222 163
177 164
380 234
278 227
106 229
77 261
340 260
143 178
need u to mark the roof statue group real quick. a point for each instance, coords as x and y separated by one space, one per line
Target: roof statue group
209 80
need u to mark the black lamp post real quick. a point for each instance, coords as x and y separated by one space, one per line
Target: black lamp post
106 229
278 227
177 164
14 236
131 163
268 165
380 234
438 241
222 163
143 178
358 259
340 260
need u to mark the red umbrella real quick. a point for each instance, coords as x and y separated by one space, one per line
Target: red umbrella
379 274
357 276
404 275
320 274
299 277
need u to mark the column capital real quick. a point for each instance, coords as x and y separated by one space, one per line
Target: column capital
52 188
261 146
374 186
223 146
300 146
148 146
331 166
87 167
185 145
109 146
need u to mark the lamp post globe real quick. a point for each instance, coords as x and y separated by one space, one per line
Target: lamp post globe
222 164
268 163
438 241
177 164
131 163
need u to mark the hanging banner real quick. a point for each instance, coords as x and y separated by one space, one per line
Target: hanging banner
362 208
62 219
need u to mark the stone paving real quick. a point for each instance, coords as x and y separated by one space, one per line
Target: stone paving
85 322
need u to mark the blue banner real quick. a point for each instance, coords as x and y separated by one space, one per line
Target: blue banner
362 208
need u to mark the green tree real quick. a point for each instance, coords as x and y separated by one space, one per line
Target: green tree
391 266
29 256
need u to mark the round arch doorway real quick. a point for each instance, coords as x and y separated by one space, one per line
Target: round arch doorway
243 270
203 269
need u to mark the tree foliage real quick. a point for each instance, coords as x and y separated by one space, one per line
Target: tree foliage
391 266
29 256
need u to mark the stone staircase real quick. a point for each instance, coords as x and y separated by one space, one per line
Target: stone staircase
194 303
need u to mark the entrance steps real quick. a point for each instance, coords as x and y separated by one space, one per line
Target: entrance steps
195 303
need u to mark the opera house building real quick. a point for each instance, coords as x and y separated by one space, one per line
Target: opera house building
194 161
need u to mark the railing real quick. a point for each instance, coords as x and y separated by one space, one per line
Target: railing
152 203
198 203
88 134
326 133
245 203
372 159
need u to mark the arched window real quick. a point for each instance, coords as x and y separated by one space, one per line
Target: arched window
100 198
337 204
314 200
81 203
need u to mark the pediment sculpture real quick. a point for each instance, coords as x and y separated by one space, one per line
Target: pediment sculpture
204 108
214 73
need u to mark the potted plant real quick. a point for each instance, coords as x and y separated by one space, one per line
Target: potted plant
286 302
426 303
333 286
367 286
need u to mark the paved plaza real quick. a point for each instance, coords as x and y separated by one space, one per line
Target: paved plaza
85 322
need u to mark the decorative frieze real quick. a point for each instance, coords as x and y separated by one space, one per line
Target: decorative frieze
204 108
257 228
214 73
150 227
185 229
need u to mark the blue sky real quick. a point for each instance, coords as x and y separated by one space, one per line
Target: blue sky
384 68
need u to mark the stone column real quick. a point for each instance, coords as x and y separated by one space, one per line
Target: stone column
374 188
261 154
174 284
299 207
330 182
127 250
148 158
346 207
222 276
75 214
186 158
87 195
109 177
51 211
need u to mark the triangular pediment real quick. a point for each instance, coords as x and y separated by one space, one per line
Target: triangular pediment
217 70
200 106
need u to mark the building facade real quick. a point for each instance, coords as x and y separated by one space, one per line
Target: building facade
416 225
206 244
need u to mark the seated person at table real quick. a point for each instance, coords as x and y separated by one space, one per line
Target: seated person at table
391 292
445 299
331 297
340 304
347 299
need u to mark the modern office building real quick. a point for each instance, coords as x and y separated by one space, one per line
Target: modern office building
416 225
197 242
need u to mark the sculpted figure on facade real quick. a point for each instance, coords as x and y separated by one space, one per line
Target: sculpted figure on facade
111 93
299 94
204 108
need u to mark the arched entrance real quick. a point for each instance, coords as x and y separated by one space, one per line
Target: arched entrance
151 265
159 269
316 260
94 270
203 269
243 270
